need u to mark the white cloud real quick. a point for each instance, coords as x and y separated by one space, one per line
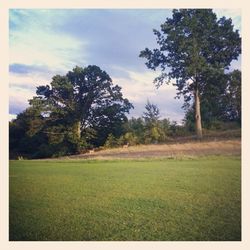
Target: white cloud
35 42
20 96
51 50
30 80
23 87
139 85
139 88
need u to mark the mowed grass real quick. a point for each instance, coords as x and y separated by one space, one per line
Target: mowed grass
167 200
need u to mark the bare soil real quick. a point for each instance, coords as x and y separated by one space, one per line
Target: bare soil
183 149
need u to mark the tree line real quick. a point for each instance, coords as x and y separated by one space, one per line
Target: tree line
84 109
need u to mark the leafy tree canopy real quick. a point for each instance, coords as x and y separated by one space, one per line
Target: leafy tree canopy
86 96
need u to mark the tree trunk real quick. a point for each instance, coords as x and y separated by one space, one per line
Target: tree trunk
78 129
198 115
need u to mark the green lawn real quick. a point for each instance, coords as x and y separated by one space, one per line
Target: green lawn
188 199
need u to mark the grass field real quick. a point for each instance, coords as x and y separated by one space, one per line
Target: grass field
168 200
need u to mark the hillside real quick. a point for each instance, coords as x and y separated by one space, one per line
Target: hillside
178 149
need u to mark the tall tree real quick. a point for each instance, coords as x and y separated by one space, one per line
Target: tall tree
152 113
193 45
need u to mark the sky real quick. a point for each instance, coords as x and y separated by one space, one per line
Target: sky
46 42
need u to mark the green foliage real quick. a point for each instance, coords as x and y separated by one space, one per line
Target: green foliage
232 97
130 139
165 125
136 127
167 200
111 142
221 103
150 129
153 130
154 135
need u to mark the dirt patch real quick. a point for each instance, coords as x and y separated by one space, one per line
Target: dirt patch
221 147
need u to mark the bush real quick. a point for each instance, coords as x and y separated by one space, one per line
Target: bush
111 142
131 139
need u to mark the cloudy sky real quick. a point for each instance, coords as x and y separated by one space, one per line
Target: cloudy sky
44 43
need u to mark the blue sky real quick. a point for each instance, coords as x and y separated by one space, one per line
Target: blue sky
48 42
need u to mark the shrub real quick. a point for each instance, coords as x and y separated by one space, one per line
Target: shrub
111 142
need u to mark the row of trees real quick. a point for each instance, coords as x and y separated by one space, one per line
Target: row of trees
221 110
84 109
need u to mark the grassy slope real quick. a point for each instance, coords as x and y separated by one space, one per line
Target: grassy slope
172 150
126 200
